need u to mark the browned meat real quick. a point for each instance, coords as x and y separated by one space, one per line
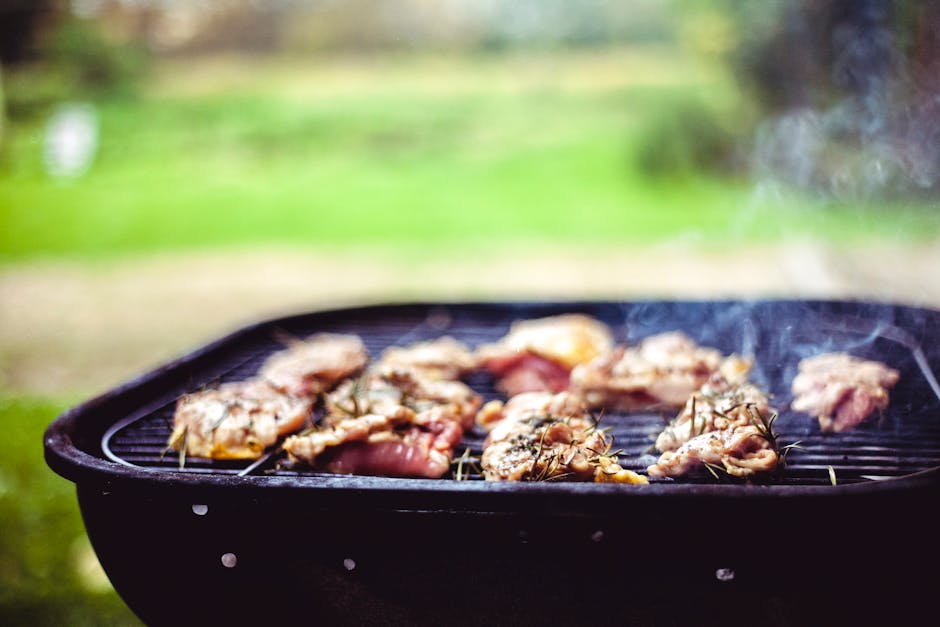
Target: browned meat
841 390
662 371
315 365
383 388
538 436
537 355
442 358
399 443
394 420
236 420
739 451
719 404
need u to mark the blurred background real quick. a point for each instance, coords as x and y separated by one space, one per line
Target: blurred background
171 170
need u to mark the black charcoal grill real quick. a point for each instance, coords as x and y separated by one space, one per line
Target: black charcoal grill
834 535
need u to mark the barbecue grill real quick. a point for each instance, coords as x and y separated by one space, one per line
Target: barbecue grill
831 536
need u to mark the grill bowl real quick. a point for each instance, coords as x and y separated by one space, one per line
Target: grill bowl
240 542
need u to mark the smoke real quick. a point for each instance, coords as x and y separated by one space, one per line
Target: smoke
862 129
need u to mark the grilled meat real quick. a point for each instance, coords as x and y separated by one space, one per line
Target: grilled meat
537 355
398 443
660 372
718 405
315 365
740 451
395 420
236 420
540 436
841 390
410 452
383 388
442 358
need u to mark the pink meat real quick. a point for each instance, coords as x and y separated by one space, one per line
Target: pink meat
527 372
412 453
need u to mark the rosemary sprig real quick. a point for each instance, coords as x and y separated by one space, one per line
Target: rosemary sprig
765 429
180 441
182 455
226 412
538 452
714 469
464 460
595 422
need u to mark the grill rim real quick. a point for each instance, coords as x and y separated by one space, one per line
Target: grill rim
64 455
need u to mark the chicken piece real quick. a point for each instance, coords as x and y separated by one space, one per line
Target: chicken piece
394 420
385 387
412 452
315 365
660 372
310 445
538 355
739 451
717 405
841 390
399 443
541 436
235 420
442 358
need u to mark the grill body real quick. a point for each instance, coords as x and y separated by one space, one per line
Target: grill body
241 543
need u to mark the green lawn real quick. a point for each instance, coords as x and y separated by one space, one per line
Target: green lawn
394 164
48 575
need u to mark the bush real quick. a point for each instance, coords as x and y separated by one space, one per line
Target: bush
74 60
685 137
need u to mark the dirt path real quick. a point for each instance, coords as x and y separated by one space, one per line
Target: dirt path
81 327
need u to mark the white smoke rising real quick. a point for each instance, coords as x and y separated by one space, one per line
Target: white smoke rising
879 138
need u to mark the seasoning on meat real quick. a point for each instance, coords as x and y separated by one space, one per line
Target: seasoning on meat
537 355
394 420
399 442
660 372
312 366
841 390
384 387
740 451
538 436
441 358
718 405
727 425
236 420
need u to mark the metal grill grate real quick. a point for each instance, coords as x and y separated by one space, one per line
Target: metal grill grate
906 439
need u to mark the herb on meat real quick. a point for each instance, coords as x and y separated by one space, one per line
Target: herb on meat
765 429
179 441
465 463
226 412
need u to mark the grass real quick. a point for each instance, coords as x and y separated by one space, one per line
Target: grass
438 162
48 574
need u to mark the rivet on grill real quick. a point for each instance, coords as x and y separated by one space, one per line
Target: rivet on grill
597 536
200 510
349 564
724 574
229 560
